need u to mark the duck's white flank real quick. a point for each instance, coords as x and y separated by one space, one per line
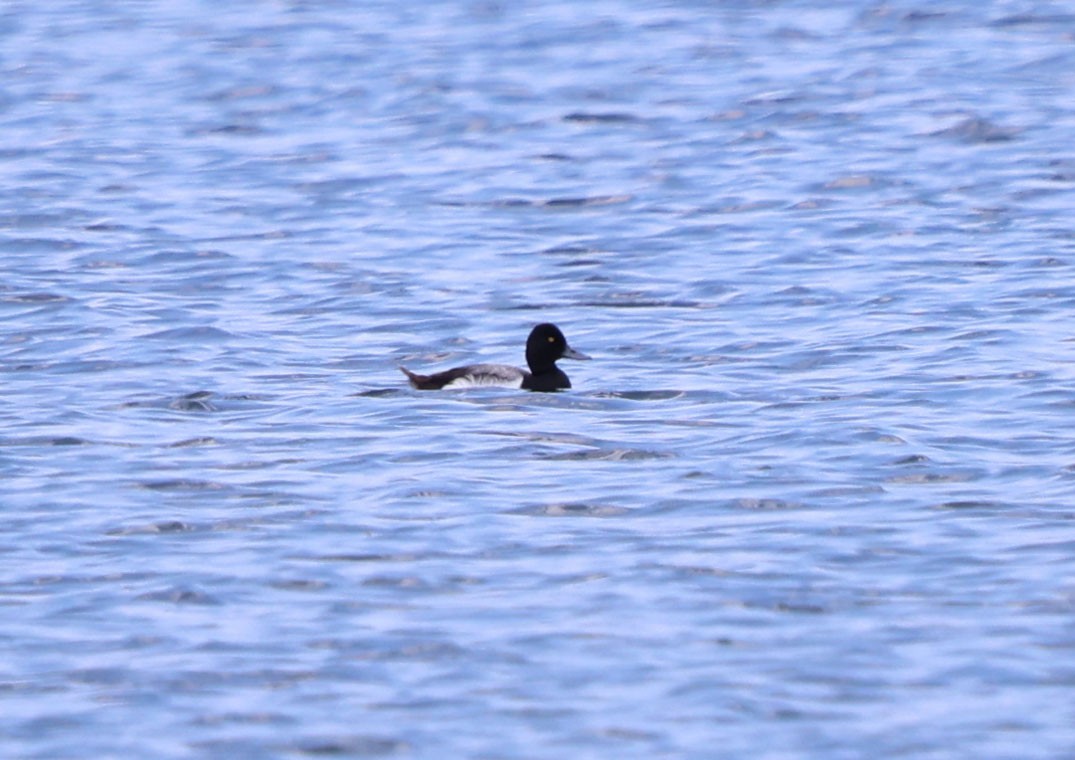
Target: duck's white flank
500 375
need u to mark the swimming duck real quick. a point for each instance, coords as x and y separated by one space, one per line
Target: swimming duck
544 347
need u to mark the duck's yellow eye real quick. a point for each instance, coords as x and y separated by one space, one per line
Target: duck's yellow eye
551 339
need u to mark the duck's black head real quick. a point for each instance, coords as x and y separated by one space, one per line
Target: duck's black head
545 345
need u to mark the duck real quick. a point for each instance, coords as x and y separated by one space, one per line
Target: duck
545 346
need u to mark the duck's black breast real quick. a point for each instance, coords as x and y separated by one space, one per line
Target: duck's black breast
552 380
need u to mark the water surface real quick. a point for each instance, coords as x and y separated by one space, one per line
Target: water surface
813 498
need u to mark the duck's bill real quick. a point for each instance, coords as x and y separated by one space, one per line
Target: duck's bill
570 353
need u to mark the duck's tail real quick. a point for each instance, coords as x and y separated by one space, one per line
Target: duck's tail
419 382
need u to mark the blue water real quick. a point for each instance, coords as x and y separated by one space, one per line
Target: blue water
814 497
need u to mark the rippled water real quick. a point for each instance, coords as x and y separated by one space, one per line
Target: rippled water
813 498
